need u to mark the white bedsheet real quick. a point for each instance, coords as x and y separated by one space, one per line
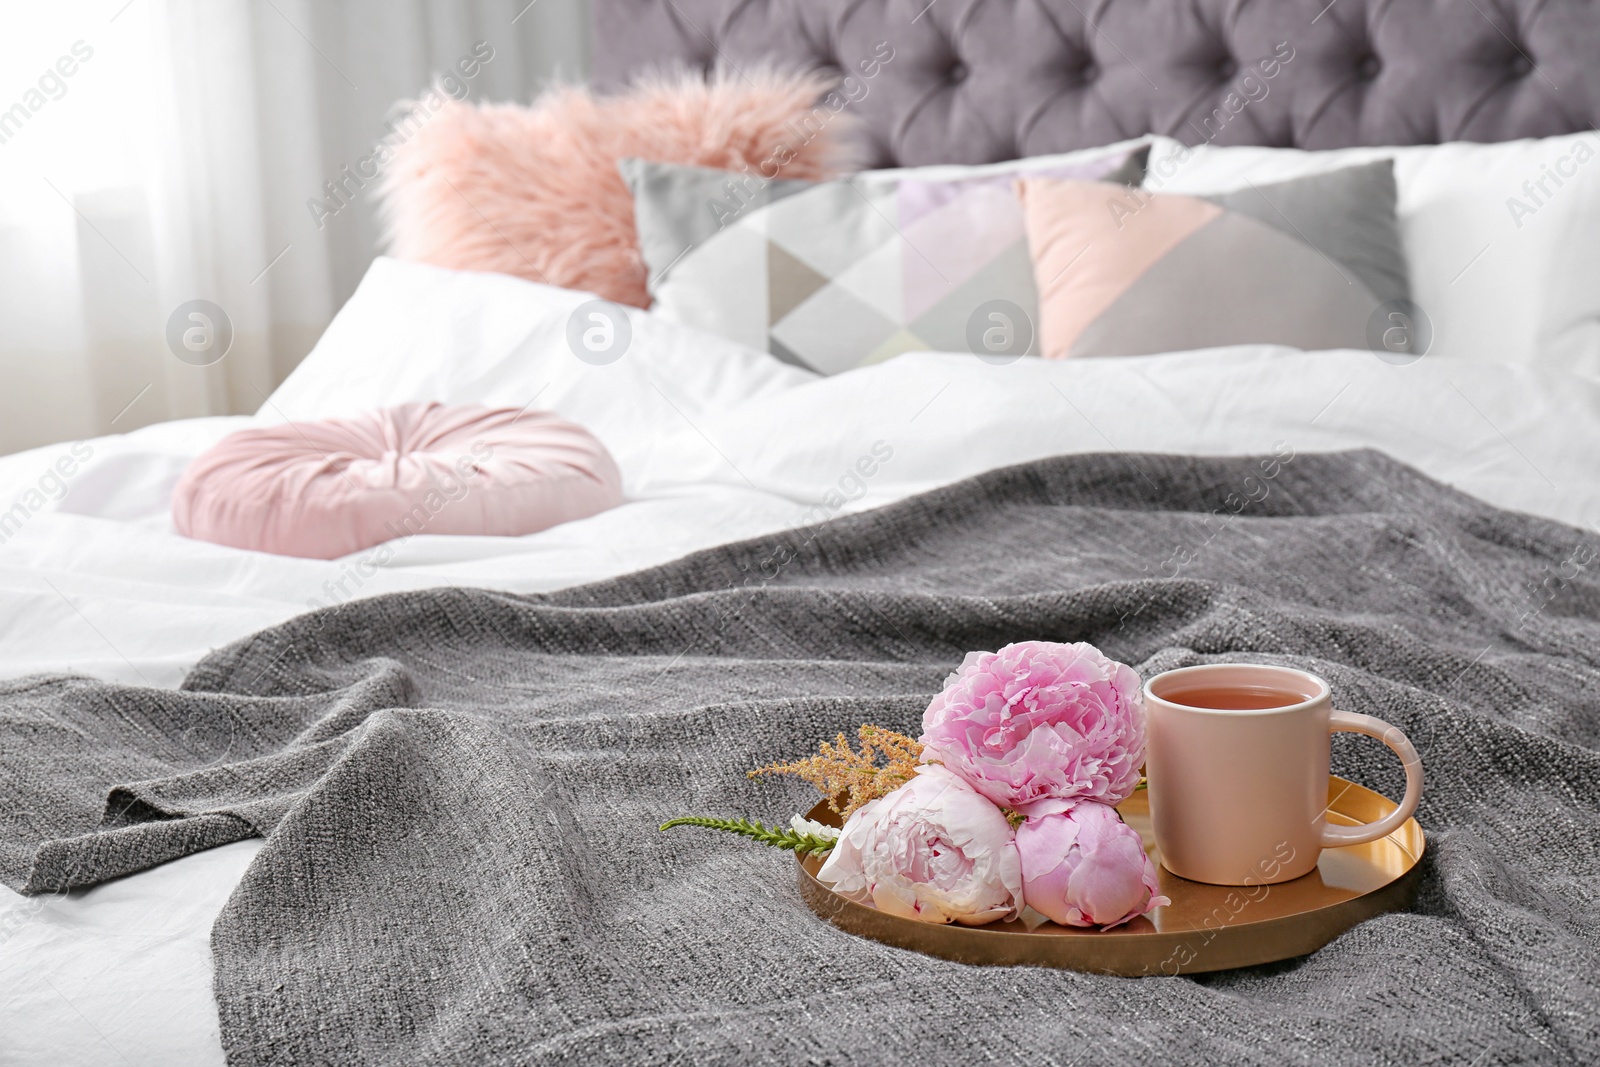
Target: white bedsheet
715 443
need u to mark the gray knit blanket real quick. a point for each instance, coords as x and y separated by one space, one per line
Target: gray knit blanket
459 789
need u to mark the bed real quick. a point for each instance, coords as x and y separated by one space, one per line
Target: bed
719 443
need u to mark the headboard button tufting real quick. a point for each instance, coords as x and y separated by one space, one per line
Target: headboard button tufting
1356 72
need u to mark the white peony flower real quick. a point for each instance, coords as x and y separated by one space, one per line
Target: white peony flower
934 849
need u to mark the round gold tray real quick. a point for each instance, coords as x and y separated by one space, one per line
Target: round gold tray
1205 928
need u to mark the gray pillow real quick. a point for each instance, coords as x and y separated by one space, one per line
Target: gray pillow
676 206
1313 263
833 275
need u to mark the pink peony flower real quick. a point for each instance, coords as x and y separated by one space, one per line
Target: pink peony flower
1083 866
932 850
1038 720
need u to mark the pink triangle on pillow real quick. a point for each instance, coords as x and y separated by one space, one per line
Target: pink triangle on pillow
1090 241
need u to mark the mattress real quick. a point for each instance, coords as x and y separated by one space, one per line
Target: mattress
716 444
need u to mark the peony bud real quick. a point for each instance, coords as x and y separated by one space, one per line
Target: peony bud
1083 866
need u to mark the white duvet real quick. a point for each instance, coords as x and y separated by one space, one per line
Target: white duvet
716 443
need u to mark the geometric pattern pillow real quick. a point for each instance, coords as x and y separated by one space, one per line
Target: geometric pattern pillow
1314 263
861 269
677 206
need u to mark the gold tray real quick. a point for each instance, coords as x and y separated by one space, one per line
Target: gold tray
1205 928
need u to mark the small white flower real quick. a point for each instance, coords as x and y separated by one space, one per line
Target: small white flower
801 825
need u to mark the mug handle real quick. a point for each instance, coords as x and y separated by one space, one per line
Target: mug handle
1334 836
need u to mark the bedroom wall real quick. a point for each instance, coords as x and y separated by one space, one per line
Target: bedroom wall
186 157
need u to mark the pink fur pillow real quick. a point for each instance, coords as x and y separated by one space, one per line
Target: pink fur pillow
534 191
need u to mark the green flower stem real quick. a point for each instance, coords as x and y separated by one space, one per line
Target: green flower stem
777 837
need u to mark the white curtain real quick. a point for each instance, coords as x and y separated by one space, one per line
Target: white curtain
159 152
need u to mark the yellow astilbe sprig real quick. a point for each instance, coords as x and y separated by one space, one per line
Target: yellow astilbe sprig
849 778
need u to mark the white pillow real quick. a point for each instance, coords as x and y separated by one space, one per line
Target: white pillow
417 332
1500 238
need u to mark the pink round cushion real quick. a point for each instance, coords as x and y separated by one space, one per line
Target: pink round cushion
327 489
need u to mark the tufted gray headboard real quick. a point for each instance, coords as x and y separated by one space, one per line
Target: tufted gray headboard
977 81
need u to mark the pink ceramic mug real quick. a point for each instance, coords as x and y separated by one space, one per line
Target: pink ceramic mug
1239 794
